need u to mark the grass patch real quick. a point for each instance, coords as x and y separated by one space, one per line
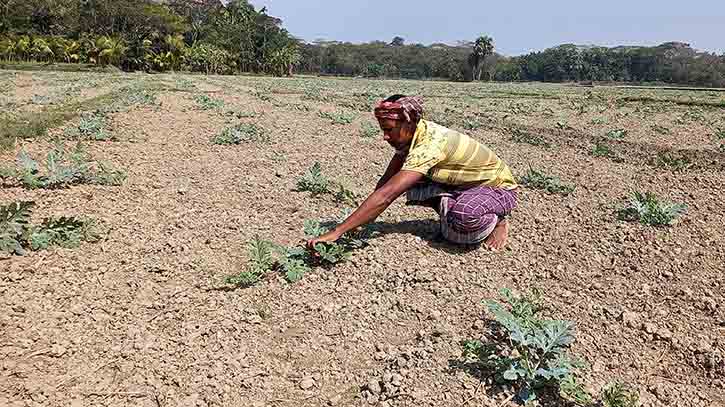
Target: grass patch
241 133
649 210
539 180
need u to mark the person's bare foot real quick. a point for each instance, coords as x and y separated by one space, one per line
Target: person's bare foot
498 238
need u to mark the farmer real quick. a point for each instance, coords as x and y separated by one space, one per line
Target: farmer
465 182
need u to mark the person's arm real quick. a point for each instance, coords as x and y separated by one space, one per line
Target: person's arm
373 206
396 163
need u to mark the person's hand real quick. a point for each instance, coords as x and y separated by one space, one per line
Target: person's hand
329 237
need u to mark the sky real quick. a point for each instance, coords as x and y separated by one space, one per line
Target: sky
517 27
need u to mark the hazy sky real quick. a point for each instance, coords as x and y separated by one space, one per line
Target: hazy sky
516 26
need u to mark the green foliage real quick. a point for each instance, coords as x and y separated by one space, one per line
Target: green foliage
535 354
206 102
91 127
471 123
314 181
599 120
617 134
338 117
14 226
328 254
520 136
17 234
540 180
648 210
260 262
720 133
671 161
368 130
66 232
345 196
241 133
617 394
603 150
264 257
62 169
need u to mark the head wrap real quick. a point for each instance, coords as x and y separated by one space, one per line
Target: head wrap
409 109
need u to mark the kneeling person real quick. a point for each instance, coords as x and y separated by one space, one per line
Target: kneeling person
472 189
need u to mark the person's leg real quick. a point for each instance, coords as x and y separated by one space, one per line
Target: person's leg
427 194
473 215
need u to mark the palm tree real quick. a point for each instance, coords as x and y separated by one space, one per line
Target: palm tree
482 48
22 48
7 49
111 50
176 49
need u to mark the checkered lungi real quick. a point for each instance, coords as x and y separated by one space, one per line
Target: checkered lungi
469 215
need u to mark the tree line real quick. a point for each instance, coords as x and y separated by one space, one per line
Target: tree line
212 36
197 35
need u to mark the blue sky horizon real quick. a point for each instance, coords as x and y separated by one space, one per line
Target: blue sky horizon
516 29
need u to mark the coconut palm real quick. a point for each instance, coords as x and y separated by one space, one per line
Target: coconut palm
7 49
482 48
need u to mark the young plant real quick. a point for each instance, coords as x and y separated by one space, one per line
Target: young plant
673 162
314 181
92 127
603 150
260 262
338 117
661 129
66 232
720 133
328 254
617 394
471 123
648 210
241 133
617 134
265 256
599 120
519 136
62 170
534 356
205 102
17 234
345 196
14 226
539 180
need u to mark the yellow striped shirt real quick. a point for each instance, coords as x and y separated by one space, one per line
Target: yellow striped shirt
452 158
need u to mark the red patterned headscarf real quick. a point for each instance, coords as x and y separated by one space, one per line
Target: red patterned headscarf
408 109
